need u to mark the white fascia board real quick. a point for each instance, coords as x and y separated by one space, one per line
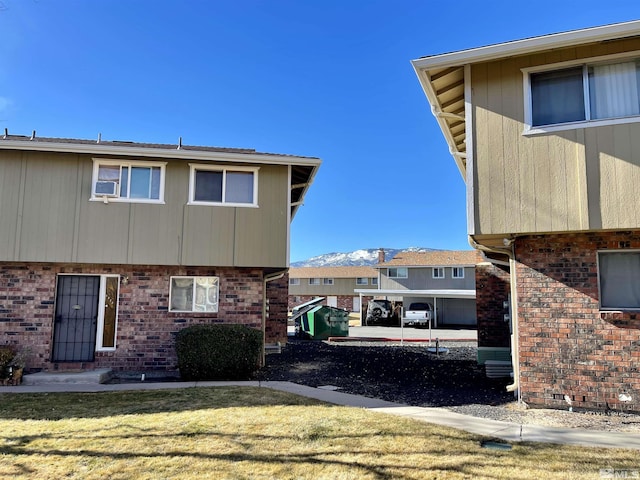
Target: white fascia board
470 294
179 154
529 45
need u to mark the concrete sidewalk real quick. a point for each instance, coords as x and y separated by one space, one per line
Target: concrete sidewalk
511 432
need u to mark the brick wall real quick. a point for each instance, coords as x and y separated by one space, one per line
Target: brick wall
567 346
146 328
278 297
492 290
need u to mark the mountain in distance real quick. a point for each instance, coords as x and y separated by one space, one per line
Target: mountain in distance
368 256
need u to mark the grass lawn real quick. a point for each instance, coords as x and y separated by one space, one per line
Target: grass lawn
256 433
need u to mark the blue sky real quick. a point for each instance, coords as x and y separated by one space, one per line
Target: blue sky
329 79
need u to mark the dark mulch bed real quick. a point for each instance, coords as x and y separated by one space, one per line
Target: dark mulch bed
403 374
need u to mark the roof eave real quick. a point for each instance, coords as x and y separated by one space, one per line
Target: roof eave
529 45
178 154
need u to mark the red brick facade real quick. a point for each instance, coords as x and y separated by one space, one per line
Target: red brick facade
567 346
145 328
492 290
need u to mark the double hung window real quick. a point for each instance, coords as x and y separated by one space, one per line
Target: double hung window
212 185
590 93
128 181
457 272
362 281
438 272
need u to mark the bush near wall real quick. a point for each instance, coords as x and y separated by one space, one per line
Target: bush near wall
218 352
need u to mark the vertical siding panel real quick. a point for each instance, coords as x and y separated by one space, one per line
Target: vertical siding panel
252 246
10 175
482 203
624 168
558 179
608 180
208 235
593 174
497 171
49 206
161 225
512 121
577 212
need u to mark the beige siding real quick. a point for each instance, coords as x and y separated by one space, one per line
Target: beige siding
571 180
47 214
10 198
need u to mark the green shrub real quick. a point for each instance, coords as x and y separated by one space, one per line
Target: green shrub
218 352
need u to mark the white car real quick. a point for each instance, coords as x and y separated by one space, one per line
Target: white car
418 314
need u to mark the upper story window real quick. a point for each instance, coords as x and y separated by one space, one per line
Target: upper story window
314 281
438 272
457 272
589 94
327 281
294 281
619 278
362 281
400 272
124 181
374 281
215 185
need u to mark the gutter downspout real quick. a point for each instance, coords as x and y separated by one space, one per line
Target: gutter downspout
268 278
515 353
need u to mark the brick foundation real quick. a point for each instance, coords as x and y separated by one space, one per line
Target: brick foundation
567 346
146 328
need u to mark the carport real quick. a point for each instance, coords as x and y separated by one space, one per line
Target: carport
432 295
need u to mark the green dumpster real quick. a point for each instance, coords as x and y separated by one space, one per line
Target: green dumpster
322 322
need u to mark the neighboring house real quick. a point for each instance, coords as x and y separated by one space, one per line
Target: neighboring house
107 249
444 278
336 284
546 134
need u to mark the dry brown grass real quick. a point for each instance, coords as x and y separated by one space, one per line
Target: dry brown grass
257 433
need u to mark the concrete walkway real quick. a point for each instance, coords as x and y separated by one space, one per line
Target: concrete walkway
511 432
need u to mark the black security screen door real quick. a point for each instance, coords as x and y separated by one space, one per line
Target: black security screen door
74 337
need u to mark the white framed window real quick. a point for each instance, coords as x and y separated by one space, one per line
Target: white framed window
619 280
374 281
294 281
457 272
229 186
128 181
362 281
108 313
314 281
327 281
194 294
603 91
399 272
438 272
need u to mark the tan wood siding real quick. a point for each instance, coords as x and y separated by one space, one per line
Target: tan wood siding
10 198
261 233
46 208
570 180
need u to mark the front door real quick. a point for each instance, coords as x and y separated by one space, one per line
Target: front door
76 317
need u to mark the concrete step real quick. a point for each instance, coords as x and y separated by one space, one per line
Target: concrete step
56 378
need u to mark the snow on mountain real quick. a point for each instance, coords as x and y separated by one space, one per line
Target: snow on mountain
361 257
